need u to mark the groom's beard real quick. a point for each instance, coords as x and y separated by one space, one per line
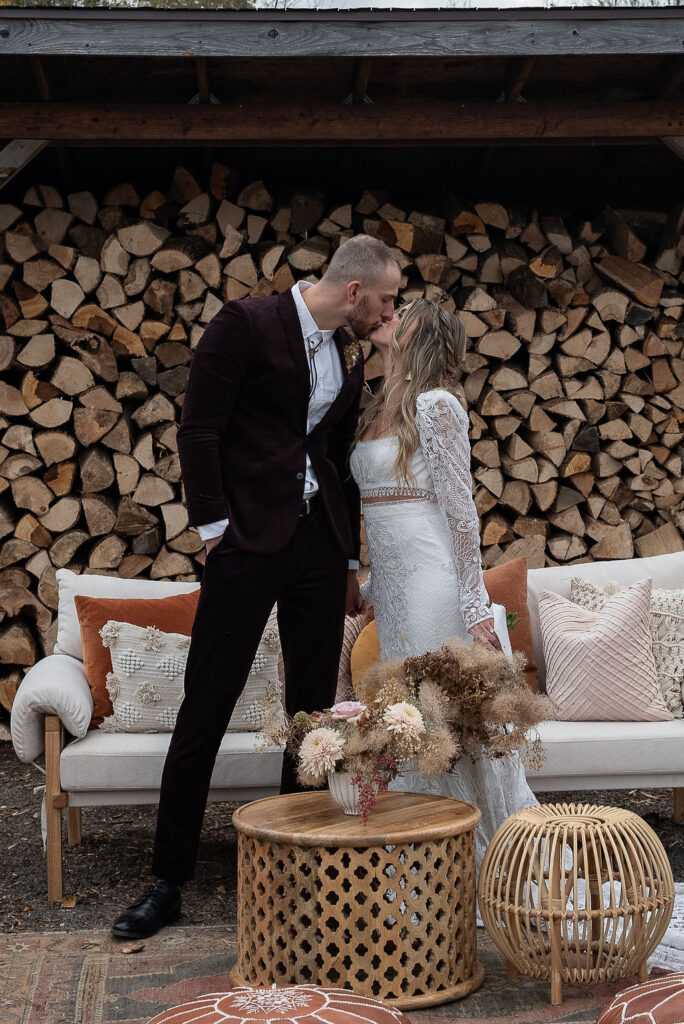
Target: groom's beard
357 320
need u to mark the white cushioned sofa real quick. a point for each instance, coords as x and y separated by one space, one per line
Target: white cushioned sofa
97 768
608 755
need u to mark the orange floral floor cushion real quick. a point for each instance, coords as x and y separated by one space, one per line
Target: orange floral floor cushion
307 1004
657 1001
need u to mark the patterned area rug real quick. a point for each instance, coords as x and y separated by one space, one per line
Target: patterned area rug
86 978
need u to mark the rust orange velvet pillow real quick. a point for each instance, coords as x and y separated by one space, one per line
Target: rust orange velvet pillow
174 614
507 585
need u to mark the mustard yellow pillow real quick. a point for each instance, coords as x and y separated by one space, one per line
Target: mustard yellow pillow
365 652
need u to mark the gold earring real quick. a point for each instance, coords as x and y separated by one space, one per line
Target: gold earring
408 376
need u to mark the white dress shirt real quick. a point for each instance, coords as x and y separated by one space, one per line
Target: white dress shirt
328 378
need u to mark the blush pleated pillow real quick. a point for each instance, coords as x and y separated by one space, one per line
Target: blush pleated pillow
600 665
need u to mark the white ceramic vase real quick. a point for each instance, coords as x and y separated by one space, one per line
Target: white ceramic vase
345 792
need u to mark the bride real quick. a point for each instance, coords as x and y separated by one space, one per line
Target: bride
411 461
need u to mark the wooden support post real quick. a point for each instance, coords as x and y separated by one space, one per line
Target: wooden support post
675 143
47 96
53 795
15 155
202 69
361 77
517 72
74 826
203 96
670 77
678 805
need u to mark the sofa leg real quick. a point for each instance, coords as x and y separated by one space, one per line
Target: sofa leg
74 826
678 805
53 792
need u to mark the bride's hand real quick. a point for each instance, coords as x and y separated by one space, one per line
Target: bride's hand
484 631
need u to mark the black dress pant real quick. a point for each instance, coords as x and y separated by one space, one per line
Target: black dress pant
308 580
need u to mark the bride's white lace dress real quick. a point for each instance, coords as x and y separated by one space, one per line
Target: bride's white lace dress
426 585
426 580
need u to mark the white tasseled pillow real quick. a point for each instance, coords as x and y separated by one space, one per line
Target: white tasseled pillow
600 665
146 686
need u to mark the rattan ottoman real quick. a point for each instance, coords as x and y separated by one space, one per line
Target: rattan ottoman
576 893
385 909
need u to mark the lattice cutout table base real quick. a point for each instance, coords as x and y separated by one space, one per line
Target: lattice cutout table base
385 909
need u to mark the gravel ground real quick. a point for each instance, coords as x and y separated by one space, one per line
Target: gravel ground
110 867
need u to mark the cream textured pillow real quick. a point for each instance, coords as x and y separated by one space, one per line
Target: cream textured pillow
666 623
146 685
600 665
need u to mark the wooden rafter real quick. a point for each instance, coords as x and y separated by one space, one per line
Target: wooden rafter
266 122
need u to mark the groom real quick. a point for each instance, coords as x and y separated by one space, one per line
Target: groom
268 419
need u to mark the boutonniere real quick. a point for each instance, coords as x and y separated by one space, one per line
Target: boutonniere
352 354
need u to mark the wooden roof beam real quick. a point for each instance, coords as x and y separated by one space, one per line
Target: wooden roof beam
268 123
296 33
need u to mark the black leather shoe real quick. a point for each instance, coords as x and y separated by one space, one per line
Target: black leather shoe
159 905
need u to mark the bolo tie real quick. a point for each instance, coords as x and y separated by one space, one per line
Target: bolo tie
313 370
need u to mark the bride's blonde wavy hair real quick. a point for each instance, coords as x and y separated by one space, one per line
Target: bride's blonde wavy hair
432 356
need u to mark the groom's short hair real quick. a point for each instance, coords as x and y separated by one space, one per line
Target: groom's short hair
361 258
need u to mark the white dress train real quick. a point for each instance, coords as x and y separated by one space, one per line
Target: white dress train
426 581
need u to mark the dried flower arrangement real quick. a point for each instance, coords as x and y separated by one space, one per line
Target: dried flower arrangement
369 741
429 711
490 708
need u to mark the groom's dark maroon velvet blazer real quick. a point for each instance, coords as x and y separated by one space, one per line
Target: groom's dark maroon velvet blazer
243 440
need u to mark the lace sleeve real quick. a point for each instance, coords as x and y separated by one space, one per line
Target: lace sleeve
443 432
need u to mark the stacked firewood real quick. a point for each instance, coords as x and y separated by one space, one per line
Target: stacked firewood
574 378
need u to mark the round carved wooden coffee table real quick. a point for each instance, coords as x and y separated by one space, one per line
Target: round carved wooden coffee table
386 909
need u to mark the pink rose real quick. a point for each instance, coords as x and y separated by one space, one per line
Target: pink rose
349 710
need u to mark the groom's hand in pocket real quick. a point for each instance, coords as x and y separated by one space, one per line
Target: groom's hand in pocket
355 603
210 544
